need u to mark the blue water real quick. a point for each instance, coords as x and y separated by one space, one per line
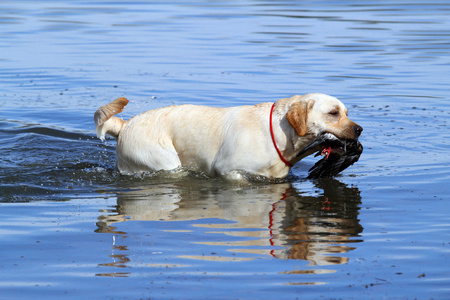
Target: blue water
72 227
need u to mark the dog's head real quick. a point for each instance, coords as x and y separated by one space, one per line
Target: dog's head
324 119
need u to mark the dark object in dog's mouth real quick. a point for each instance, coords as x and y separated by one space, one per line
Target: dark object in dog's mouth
338 155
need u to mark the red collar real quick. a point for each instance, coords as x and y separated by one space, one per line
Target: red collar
273 139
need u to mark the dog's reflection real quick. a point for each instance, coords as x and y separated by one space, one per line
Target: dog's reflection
282 221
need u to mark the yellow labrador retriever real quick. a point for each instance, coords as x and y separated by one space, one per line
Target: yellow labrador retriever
264 139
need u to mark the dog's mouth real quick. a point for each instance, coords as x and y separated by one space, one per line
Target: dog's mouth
327 144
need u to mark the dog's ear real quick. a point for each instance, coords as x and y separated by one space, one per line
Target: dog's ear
298 116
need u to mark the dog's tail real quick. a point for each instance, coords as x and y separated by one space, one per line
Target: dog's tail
105 122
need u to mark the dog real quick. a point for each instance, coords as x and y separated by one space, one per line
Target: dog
265 139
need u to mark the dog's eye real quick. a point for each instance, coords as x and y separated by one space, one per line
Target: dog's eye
334 113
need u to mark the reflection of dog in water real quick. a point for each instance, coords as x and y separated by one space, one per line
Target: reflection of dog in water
291 226
321 225
266 139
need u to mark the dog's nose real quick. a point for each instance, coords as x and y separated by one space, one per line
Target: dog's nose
357 129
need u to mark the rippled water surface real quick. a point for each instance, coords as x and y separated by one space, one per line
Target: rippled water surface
72 227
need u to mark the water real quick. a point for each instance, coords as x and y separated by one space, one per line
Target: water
72 227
